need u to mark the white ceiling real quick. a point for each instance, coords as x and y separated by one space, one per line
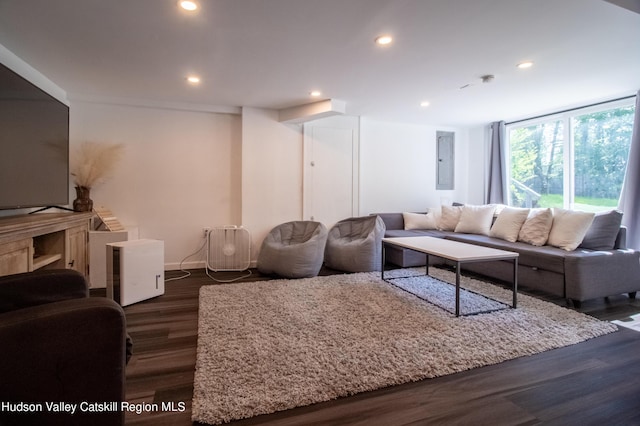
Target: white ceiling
271 53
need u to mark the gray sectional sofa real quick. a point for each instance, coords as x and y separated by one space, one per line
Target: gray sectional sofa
577 275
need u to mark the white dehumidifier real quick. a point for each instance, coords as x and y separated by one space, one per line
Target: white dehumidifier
135 270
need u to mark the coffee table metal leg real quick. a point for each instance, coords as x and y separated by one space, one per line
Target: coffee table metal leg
515 282
457 289
382 260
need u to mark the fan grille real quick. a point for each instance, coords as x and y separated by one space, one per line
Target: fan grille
229 249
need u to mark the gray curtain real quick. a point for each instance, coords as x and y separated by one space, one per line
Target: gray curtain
497 182
630 196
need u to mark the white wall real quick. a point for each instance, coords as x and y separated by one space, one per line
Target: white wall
185 170
397 167
478 156
180 171
271 173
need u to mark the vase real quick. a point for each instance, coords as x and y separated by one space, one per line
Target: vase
83 202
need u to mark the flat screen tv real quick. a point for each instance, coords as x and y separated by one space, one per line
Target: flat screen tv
34 145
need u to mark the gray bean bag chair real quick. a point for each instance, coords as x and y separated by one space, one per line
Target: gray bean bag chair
293 250
355 244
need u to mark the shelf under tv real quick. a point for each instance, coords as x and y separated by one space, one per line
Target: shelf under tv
44 240
44 260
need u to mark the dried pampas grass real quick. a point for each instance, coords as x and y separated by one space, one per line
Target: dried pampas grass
92 162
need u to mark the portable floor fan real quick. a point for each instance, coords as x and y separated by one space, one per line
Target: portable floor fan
229 249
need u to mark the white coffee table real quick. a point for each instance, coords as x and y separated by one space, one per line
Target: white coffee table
458 252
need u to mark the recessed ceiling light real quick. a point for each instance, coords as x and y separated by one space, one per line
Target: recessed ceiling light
424 104
525 64
189 5
315 93
193 79
384 40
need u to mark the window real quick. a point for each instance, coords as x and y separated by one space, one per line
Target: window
573 160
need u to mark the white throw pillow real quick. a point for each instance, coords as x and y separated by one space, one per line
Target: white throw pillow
499 208
419 221
436 214
475 219
569 228
508 223
535 230
449 217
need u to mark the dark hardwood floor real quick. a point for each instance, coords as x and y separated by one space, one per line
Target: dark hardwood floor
592 383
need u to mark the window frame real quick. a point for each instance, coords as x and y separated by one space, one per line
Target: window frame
568 149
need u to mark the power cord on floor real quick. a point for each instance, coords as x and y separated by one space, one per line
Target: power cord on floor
187 273
232 280
204 246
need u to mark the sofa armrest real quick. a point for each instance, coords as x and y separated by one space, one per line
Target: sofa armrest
71 351
591 274
621 238
40 287
391 220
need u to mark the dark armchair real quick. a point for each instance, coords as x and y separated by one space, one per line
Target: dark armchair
57 345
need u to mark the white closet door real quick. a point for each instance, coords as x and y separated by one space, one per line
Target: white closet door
331 173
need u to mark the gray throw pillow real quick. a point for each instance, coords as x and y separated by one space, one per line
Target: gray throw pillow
603 231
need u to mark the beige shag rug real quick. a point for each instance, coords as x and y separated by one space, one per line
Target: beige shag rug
273 345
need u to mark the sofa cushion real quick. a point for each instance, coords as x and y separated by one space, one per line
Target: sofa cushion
508 223
569 228
535 230
475 219
393 233
545 257
603 231
419 221
450 215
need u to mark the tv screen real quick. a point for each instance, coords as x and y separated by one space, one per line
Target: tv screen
34 145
